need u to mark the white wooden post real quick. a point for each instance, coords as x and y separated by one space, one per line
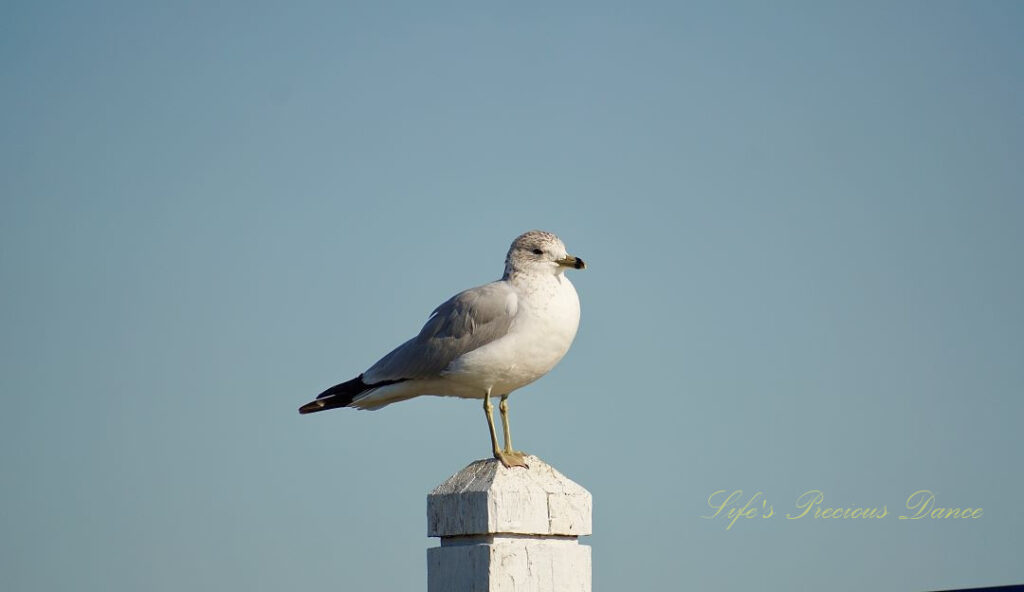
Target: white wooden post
508 530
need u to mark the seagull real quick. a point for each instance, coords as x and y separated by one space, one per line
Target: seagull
481 343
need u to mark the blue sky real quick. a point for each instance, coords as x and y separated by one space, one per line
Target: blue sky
802 226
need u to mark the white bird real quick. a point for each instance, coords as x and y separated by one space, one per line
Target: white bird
485 342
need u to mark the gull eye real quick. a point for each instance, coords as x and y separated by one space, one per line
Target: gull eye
538 252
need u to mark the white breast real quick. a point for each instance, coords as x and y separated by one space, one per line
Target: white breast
544 328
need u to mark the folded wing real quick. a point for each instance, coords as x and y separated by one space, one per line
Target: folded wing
463 323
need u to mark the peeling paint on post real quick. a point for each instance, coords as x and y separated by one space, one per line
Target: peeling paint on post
508 530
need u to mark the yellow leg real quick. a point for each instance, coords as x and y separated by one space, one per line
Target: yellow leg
507 457
489 412
503 407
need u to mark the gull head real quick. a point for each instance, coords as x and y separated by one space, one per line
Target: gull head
539 252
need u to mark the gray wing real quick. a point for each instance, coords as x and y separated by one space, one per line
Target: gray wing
463 323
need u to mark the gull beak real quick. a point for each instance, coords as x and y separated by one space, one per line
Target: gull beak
573 262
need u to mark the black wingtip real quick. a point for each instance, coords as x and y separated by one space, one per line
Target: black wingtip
339 395
312 407
342 395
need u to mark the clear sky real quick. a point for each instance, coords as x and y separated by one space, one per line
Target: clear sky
803 225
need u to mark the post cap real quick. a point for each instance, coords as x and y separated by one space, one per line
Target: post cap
488 498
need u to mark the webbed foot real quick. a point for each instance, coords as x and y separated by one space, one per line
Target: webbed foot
511 458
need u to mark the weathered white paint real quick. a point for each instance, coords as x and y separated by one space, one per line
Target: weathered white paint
509 530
